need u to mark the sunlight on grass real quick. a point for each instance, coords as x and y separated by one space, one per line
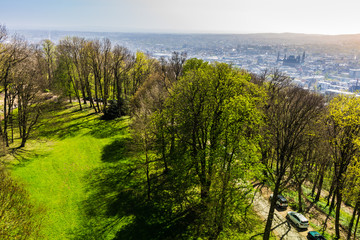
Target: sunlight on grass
55 165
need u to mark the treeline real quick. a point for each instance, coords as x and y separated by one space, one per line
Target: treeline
206 133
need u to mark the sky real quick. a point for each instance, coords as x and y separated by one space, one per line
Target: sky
184 16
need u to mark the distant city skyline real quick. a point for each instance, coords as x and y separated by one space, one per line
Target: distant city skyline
184 16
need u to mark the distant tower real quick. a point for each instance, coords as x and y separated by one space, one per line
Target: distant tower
285 56
303 57
278 57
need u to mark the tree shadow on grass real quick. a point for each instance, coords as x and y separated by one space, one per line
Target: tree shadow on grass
109 128
61 129
24 156
116 151
117 207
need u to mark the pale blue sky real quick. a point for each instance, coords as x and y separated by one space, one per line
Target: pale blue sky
179 16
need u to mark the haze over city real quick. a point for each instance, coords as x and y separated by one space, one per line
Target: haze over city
184 16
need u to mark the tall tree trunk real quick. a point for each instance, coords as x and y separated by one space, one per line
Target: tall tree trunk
272 210
317 198
356 226
6 114
315 183
300 197
333 183
147 163
337 213
96 96
352 219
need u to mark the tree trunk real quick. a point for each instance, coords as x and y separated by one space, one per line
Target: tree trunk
5 114
270 217
352 219
147 169
315 184
317 198
337 213
356 226
96 96
330 192
300 198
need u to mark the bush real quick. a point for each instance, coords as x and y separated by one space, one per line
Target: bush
19 218
115 109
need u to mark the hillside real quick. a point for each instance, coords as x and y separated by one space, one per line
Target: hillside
57 165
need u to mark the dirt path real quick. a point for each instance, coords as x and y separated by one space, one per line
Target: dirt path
282 228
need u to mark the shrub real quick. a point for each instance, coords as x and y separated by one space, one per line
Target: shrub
115 109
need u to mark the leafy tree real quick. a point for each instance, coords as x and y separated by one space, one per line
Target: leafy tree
343 132
310 154
351 191
123 61
216 117
289 112
49 53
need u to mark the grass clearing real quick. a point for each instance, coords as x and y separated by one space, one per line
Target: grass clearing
55 165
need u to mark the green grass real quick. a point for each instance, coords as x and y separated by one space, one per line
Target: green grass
55 166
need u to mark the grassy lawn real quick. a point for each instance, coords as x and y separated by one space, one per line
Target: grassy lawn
56 165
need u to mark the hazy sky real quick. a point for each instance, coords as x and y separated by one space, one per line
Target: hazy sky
205 16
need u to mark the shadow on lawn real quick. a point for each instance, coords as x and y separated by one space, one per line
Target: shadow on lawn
70 123
109 128
61 129
24 156
117 207
116 151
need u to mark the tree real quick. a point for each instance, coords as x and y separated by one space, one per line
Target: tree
215 114
289 112
305 159
352 191
49 53
123 61
343 132
68 52
13 53
30 81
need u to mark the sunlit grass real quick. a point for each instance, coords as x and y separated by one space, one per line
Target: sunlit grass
54 165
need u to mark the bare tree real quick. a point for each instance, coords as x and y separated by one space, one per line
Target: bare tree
30 81
13 53
67 53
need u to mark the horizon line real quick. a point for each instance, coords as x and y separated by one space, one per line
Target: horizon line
174 32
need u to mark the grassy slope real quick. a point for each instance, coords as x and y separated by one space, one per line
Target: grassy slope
69 147
55 173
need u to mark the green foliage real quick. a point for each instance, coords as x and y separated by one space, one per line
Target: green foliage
115 109
212 120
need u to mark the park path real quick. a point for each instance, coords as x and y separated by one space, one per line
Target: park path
282 228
